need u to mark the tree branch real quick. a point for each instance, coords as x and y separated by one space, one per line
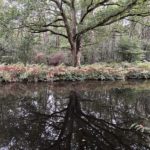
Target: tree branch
103 21
48 30
140 22
128 15
66 23
67 3
92 8
54 25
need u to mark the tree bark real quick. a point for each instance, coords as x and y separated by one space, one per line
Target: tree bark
57 41
76 54
79 59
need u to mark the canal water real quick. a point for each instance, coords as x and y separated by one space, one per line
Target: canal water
75 116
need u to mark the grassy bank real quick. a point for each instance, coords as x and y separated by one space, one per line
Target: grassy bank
101 71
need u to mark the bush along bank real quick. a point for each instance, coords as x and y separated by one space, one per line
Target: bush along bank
102 71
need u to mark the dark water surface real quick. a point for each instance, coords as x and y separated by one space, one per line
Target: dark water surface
74 116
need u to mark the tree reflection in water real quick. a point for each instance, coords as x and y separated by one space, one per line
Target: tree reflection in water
78 120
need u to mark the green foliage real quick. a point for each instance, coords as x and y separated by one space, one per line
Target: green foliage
24 50
8 59
19 17
130 50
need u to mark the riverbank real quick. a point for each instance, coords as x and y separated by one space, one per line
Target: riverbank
102 71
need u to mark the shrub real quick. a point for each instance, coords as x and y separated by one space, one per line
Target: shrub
40 58
55 59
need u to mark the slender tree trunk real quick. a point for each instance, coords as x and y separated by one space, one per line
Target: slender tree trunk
57 41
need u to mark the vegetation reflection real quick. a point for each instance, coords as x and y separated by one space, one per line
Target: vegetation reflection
66 118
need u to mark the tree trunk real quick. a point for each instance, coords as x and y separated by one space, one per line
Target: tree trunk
76 58
57 41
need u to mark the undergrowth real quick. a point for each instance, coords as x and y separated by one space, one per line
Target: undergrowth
102 71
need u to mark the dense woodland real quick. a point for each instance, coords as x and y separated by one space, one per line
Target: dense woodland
74 31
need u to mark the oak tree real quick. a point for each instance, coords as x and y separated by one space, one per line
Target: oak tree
71 19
